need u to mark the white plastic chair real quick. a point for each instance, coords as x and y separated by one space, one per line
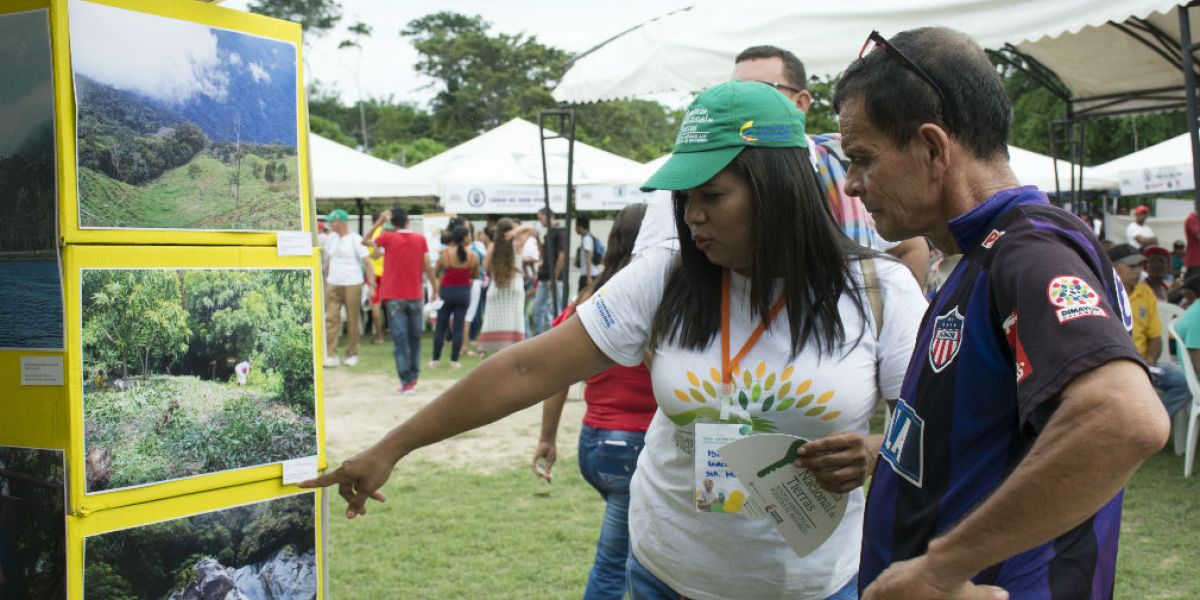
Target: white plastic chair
1167 313
1191 413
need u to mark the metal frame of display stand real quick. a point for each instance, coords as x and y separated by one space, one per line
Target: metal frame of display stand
565 120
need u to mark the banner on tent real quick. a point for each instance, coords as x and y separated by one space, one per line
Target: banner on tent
528 199
1157 180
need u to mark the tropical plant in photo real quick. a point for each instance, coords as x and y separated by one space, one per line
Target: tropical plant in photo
163 398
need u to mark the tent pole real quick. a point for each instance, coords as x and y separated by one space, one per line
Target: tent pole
549 245
566 274
358 202
1189 82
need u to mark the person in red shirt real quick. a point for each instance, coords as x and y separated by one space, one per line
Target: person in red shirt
620 405
404 261
1191 230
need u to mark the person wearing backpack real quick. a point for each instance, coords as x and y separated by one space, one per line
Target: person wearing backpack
590 254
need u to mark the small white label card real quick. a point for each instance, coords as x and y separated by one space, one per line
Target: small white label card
294 243
41 370
801 510
299 469
717 488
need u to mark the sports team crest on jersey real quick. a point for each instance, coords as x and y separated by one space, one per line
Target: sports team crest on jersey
1074 298
946 340
992 238
1123 302
1020 360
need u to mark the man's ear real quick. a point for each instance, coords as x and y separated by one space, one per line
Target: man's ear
803 100
935 146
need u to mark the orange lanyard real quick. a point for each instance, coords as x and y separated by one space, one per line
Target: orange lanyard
727 365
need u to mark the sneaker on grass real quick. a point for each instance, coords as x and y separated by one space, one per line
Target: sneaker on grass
409 388
332 361
351 361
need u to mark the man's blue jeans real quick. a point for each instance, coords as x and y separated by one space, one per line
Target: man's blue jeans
1171 381
404 321
607 459
543 309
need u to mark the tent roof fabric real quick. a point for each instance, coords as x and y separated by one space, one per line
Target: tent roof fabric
511 155
691 49
1175 151
342 172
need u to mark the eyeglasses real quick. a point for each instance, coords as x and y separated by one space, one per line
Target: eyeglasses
781 86
881 42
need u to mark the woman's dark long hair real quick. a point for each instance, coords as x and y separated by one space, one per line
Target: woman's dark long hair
795 239
458 238
503 256
621 238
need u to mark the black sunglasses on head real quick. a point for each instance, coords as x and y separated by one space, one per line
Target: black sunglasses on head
892 51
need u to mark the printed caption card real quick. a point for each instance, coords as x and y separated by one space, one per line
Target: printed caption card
717 489
801 510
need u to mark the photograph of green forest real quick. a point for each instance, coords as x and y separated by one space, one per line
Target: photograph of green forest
33 534
195 371
182 126
264 550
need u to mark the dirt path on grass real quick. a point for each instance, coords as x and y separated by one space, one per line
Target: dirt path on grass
361 407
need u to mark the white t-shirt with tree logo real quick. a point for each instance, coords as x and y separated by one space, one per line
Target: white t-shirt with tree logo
707 555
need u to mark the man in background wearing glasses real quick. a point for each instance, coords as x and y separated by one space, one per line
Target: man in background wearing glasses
785 72
1028 406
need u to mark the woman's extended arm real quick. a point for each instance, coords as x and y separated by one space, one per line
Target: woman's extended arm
531 370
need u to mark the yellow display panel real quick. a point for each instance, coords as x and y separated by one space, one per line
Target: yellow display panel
200 184
99 528
159 419
33 416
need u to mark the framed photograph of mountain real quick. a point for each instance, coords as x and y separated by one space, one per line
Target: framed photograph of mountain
183 125
31 296
33 536
267 549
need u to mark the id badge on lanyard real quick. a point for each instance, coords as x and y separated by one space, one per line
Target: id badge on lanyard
716 487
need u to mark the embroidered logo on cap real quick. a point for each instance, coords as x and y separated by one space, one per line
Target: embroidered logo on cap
946 340
1074 298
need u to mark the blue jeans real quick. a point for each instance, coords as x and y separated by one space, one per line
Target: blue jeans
643 585
607 459
1171 381
404 322
543 309
477 324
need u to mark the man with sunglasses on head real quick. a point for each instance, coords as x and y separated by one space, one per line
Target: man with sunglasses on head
1027 406
785 72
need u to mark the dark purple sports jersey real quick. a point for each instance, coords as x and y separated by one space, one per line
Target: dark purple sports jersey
1033 304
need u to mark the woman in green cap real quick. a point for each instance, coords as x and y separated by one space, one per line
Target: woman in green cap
767 317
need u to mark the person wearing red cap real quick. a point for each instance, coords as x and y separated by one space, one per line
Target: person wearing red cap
1158 270
1138 234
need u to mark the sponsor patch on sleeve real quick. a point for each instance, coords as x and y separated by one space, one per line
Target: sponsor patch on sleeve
992 238
1073 298
1020 359
605 314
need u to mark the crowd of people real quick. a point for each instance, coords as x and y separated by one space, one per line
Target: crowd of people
1021 393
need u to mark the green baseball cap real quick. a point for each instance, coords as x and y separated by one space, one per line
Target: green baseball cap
719 123
337 214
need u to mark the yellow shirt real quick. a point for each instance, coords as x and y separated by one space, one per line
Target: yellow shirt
378 262
1146 324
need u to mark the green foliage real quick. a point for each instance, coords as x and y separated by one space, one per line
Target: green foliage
485 79
288 351
315 16
132 318
410 153
821 117
329 129
36 525
155 560
1035 108
637 129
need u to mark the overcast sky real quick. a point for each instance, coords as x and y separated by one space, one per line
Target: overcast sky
387 58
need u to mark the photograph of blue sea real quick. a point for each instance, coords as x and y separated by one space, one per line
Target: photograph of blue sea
31 306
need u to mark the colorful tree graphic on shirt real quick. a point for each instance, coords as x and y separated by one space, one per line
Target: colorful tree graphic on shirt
755 391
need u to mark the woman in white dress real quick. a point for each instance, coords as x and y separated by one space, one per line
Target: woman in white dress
504 319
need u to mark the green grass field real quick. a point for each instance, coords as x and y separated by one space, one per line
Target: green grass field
167 427
453 534
192 198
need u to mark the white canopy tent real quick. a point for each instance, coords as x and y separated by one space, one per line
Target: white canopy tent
1165 167
694 48
342 172
501 172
